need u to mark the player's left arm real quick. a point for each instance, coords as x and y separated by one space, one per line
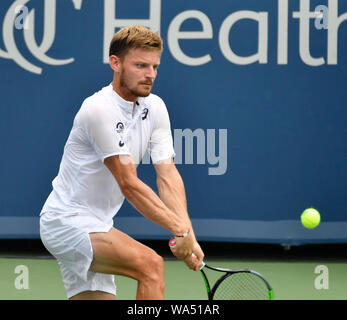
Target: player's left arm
172 193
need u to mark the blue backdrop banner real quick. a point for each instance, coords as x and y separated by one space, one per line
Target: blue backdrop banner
256 92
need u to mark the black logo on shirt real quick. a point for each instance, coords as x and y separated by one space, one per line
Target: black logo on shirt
119 127
144 113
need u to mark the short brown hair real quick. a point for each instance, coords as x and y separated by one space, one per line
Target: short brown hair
134 37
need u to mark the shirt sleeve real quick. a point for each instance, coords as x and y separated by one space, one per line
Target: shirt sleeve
161 143
104 130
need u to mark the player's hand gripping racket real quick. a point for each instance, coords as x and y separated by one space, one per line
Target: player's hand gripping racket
235 284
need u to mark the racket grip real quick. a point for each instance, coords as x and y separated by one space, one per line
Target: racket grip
172 244
202 263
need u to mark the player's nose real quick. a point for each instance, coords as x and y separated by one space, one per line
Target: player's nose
151 72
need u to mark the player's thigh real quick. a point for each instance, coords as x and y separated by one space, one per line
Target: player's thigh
115 252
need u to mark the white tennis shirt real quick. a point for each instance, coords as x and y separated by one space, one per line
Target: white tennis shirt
106 125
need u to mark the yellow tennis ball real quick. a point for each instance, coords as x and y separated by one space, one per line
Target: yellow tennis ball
310 218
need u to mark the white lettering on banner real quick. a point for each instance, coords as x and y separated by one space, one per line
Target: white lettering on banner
304 16
282 34
174 34
326 17
39 51
334 22
261 18
111 22
77 4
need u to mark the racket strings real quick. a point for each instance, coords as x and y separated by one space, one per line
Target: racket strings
242 286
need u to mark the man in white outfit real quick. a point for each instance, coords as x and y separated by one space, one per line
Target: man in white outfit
111 132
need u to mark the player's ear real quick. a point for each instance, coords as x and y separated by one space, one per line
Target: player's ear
115 63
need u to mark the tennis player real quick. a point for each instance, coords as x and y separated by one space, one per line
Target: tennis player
111 133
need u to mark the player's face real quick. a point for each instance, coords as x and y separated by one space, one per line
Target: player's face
138 70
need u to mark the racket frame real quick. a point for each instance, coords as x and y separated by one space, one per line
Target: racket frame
228 273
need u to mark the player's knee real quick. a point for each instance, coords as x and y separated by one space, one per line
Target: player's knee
154 270
157 267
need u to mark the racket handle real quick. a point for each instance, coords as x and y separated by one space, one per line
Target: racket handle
172 244
202 263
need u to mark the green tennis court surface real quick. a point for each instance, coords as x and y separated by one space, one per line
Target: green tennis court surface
23 278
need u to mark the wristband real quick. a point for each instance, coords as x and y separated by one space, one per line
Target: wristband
184 235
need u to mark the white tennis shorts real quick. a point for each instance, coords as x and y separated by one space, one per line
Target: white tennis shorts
67 239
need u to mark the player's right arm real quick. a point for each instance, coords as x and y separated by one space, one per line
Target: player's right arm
146 201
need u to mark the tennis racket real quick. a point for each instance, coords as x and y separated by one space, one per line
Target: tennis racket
235 284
